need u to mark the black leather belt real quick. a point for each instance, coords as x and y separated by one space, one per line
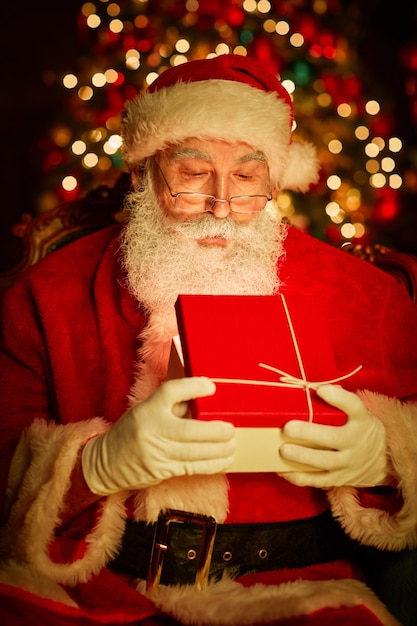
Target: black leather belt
185 548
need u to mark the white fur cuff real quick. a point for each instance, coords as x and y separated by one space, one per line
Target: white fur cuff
375 527
40 476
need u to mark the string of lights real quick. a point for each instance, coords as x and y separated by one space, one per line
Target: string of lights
310 45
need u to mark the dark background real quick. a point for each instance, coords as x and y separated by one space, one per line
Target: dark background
40 37
43 36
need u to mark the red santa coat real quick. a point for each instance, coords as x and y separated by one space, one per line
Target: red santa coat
69 368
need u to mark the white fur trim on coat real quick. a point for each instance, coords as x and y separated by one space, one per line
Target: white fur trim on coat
227 603
220 109
40 476
374 527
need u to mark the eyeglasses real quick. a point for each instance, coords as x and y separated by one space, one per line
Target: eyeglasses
203 203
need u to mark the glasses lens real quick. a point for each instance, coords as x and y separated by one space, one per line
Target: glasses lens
200 203
193 202
248 204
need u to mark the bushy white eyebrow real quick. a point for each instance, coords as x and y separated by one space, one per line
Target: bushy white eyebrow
192 153
253 156
189 153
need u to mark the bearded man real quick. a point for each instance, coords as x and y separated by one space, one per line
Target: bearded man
104 471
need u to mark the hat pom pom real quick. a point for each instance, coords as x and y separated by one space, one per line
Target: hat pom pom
302 170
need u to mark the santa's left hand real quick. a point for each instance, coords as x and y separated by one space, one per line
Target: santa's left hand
353 454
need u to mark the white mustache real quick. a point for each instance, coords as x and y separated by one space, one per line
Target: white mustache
209 226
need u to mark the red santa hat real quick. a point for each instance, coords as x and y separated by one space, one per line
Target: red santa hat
229 97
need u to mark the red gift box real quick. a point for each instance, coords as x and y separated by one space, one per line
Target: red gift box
266 355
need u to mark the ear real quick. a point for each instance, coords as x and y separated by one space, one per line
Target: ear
275 192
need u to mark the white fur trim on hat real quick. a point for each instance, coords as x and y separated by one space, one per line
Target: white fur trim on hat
220 109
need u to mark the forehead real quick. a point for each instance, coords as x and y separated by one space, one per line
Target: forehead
213 150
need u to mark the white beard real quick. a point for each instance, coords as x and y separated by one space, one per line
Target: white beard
163 259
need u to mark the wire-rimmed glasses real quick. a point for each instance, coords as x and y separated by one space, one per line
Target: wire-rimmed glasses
192 202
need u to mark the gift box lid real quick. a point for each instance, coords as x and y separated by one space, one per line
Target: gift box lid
265 353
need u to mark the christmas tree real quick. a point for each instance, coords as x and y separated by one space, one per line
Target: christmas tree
311 45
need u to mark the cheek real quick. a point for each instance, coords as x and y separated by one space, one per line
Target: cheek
167 205
179 216
243 219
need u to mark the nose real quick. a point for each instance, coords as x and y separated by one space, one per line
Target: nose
220 208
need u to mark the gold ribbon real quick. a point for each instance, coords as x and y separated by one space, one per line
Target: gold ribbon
288 380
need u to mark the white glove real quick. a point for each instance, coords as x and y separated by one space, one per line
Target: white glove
353 454
154 441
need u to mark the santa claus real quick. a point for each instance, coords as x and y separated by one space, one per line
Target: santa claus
120 510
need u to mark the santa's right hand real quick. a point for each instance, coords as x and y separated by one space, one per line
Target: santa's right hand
154 441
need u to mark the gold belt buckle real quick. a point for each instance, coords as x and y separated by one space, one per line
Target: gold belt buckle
160 545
